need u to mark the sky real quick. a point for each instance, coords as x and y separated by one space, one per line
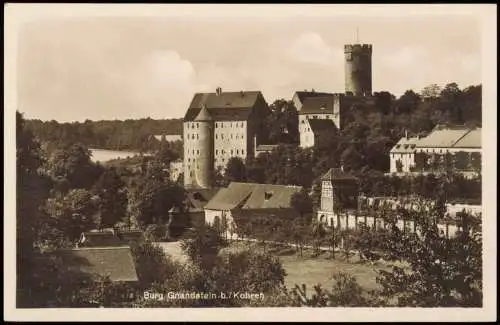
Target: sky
85 67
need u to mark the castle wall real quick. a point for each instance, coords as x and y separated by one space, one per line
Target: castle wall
230 140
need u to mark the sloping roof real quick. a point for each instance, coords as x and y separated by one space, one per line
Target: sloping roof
302 95
115 262
322 125
280 196
337 174
470 140
230 197
203 114
252 196
318 105
442 138
198 198
226 106
405 145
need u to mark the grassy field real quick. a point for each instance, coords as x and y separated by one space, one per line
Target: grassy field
302 269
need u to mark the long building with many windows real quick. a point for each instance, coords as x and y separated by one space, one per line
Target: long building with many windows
218 126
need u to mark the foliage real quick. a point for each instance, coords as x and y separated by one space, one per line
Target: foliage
301 202
113 198
235 170
204 247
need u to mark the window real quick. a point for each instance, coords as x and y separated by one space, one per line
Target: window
315 117
189 159
216 125
197 125
223 159
328 117
216 151
187 126
222 136
268 195
232 152
242 151
237 151
302 122
231 135
197 136
223 152
191 173
198 152
193 151
216 136
237 136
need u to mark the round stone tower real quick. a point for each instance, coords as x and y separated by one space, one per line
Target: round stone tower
202 172
358 69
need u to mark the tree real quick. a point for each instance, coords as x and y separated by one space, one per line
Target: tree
204 247
73 213
443 271
73 164
31 191
301 202
235 170
431 91
111 190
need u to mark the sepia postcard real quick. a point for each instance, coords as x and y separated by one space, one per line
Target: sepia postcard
230 162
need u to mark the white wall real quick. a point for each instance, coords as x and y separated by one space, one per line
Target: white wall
230 140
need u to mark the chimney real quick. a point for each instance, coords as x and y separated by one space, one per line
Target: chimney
406 134
342 168
242 93
218 91
255 143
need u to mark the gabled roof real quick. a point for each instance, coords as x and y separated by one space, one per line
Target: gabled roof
302 95
405 145
442 138
337 174
278 196
115 262
198 198
470 140
252 196
322 125
318 105
225 106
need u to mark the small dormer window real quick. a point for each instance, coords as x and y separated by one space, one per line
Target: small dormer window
268 195
322 108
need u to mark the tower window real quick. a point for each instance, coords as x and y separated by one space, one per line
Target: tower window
237 151
216 136
193 151
198 152
189 159
242 151
216 151
197 136
232 152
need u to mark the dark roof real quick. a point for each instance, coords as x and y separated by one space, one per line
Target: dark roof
115 262
318 105
302 95
337 174
322 125
226 106
198 198
107 238
252 196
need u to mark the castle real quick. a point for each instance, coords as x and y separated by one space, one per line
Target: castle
221 125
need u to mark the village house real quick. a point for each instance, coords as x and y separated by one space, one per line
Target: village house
245 198
457 141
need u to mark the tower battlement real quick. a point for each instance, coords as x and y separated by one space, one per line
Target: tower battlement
358 48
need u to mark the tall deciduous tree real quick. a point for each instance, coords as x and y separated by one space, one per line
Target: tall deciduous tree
235 170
